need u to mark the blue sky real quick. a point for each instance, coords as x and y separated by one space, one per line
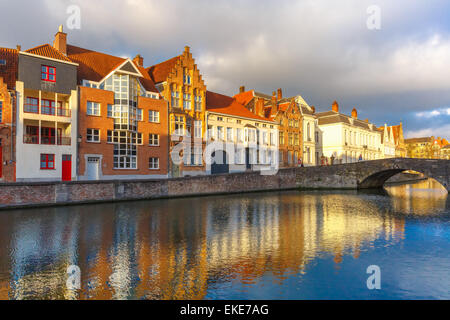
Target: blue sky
320 49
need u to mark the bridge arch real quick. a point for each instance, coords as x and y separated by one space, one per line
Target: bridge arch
376 176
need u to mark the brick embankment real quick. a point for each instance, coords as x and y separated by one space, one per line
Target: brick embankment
79 192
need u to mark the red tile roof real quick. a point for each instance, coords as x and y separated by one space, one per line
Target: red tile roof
216 102
95 66
160 72
48 51
244 98
9 71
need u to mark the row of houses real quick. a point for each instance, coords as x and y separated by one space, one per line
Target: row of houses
428 148
69 113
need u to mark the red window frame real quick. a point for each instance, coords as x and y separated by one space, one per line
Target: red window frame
32 132
33 103
47 162
48 74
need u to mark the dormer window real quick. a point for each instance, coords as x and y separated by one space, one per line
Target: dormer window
48 73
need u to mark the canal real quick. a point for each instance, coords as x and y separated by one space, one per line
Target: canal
274 245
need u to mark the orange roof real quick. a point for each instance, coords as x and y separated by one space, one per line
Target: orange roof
216 102
48 51
9 71
244 98
95 66
445 142
160 72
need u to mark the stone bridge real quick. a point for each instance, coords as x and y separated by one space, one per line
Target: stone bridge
370 174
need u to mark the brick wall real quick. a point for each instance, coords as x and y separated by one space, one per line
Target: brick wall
60 193
8 171
103 123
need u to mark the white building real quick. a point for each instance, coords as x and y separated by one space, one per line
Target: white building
347 139
388 144
250 142
311 133
47 109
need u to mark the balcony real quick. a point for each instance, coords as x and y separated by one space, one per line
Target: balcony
34 139
47 110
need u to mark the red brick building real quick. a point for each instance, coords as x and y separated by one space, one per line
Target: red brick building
123 120
8 76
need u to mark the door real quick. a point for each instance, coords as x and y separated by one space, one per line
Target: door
1 162
66 167
93 168
220 164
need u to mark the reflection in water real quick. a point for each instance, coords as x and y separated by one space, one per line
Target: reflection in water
290 245
422 197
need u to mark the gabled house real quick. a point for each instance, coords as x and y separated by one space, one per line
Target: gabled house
181 84
123 120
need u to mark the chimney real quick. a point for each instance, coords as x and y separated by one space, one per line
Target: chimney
366 121
60 42
274 97
354 113
279 94
139 60
242 89
313 109
335 106
186 49
19 48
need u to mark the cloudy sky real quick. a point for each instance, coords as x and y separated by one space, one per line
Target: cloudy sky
320 49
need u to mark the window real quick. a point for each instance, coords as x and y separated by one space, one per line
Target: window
291 139
93 135
198 129
219 119
297 139
198 155
238 135
1 111
48 74
153 139
175 98
31 105
47 161
93 108
178 125
229 134
31 135
281 138
272 139
187 101
48 135
153 163
198 102
317 137
139 116
220 133
48 107
110 111
2 62
186 77
153 116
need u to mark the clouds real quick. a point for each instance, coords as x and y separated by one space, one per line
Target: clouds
317 48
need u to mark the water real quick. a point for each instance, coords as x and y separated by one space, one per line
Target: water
285 245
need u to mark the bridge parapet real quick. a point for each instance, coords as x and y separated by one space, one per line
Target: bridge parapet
370 174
